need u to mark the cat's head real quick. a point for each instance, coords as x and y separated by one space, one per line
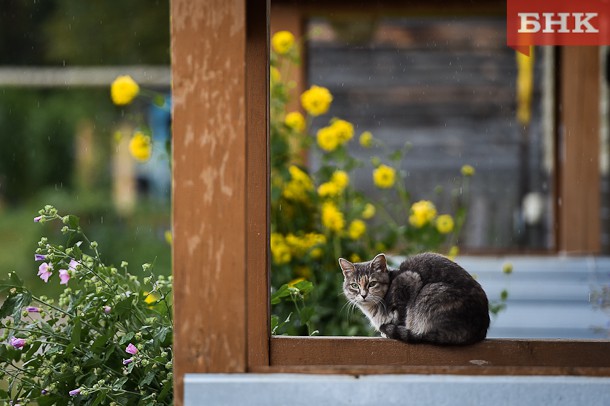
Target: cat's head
365 283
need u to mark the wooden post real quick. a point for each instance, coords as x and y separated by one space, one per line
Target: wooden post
578 205
219 71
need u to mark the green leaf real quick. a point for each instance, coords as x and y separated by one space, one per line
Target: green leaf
76 332
282 292
127 337
274 323
13 281
72 221
13 305
118 384
101 396
123 307
147 378
304 286
167 388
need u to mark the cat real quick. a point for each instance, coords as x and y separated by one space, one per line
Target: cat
428 299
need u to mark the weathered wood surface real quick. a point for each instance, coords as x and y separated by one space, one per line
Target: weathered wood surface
381 355
212 117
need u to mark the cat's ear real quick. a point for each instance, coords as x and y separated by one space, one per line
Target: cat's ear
346 266
380 263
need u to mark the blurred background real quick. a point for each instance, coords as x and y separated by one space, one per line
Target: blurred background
64 143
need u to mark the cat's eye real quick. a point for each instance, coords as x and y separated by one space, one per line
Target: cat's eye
372 284
353 285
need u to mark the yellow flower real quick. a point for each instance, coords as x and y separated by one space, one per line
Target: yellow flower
299 185
296 121
282 42
327 139
355 258
356 229
368 212
340 178
123 90
453 252
444 224
422 212
343 129
279 249
140 147
274 75
328 189
332 218
366 139
507 268
168 237
467 170
384 176
316 100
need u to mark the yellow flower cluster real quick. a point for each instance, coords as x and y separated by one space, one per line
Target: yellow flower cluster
309 243
140 147
280 251
274 75
298 186
422 212
356 229
337 133
316 100
337 184
384 176
296 121
284 248
332 218
123 90
282 42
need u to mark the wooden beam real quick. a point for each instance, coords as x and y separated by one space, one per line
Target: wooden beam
219 66
257 164
578 204
380 355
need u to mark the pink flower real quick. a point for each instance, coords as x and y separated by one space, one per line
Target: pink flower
74 392
44 271
131 349
32 309
73 264
107 309
127 361
37 219
64 277
18 343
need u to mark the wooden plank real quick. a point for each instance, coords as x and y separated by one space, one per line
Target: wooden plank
257 163
377 354
209 178
578 205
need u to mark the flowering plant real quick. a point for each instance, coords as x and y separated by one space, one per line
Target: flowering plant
107 340
319 213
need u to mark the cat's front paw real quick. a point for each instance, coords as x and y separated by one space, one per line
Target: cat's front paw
387 330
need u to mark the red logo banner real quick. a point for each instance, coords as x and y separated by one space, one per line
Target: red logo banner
557 22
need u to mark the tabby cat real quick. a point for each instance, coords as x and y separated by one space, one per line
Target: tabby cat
429 298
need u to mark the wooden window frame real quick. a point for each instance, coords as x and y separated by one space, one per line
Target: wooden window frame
220 70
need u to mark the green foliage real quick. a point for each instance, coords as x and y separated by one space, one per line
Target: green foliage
108 339
109 32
